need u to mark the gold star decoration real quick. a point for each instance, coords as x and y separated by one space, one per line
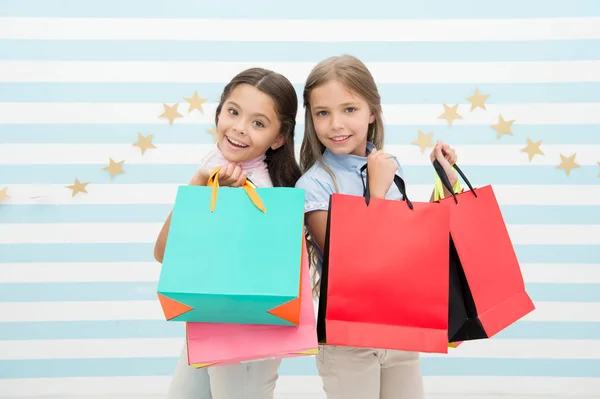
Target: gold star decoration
568 163
171 113
532 148
477 100
3 194
213 131
424 141
503 127
450 113
114 168
77 187
195 102
144 143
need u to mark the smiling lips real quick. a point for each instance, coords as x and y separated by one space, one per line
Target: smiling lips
340 139
236 143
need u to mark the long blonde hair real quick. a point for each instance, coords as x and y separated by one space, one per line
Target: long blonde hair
356 77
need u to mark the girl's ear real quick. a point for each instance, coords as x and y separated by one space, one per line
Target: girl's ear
279 141
372 118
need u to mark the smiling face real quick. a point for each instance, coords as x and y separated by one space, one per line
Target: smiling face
248 125
341 118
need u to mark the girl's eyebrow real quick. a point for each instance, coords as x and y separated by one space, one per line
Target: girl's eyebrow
321 107
255 114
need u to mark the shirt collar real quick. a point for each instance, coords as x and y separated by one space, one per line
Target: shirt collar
348 161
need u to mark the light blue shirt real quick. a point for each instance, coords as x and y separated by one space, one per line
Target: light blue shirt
318 184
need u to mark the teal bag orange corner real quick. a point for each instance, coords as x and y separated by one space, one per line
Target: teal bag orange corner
233 255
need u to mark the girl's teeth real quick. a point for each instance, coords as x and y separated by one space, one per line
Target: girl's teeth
340 138
236 142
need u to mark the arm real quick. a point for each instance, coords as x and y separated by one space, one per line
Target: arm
161 241
317 223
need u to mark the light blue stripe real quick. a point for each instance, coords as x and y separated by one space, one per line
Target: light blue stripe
181 173
92 330
161 329
157 213
309 9
183 50
197 133
143 252
391 93
146 291
439 366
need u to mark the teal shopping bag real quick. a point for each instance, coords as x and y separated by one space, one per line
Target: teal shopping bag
233 255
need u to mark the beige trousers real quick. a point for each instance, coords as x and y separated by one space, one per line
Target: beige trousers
362 373
253 380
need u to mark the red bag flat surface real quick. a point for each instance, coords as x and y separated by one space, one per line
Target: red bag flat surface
387 274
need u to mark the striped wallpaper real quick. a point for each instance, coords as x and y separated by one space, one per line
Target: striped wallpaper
79 80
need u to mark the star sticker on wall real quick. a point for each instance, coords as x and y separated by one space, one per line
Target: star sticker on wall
195 102
477 100
77 187
450 113
171 113
213 131
114 168
144 142
503 127
532 148
424 141
4 194
568 163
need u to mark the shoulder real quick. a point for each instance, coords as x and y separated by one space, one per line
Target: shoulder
210 158
316 178
318 186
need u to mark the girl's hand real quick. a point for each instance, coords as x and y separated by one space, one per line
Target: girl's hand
382 168
446 156
201 177
232 175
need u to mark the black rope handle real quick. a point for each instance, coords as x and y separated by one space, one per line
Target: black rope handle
398 181
446 181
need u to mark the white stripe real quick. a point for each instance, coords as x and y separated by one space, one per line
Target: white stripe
299 30
561 273
171 347
55 154
150 310
565 311
52 233
567 273
79 272
53 194
222 72
525 349
91 348
310 386
403 114
550 386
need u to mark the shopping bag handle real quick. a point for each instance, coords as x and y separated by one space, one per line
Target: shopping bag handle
248 186
398 181
446 181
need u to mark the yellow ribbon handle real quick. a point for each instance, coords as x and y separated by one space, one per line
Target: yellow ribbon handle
249 188
438 192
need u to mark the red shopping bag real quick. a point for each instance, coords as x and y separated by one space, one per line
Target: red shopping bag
384 282
487 291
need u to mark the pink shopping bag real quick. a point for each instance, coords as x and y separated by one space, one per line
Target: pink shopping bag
217 344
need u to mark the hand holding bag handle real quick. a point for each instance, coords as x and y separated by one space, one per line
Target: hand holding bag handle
398 181
446 181
248 186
